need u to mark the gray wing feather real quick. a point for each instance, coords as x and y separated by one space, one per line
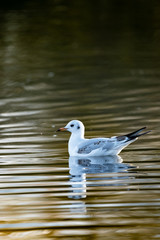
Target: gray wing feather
92 144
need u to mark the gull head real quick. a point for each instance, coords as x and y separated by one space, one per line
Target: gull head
74 126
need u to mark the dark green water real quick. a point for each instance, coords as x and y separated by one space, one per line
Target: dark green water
98 62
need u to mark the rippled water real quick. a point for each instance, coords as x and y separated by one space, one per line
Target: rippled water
60 62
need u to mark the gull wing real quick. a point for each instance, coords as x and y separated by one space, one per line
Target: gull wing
111 145
96 143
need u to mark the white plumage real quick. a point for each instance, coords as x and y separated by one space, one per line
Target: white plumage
78 145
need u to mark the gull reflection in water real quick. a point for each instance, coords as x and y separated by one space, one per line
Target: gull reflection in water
80 167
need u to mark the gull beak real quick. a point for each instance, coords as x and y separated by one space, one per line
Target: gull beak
62 130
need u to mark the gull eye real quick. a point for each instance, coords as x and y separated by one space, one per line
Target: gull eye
78 127
72 125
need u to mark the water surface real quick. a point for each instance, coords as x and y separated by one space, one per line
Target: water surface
98 63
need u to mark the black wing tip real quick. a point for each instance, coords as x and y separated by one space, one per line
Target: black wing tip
141 129
147 132
137 133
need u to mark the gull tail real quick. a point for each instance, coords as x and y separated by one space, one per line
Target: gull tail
135 134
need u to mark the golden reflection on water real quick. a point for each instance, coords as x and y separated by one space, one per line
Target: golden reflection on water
103 70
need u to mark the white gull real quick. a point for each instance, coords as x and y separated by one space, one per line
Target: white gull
80 146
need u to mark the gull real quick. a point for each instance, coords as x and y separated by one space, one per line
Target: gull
78 145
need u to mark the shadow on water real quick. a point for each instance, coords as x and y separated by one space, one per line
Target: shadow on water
81 167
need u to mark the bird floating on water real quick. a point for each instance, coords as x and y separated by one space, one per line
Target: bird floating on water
78 145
